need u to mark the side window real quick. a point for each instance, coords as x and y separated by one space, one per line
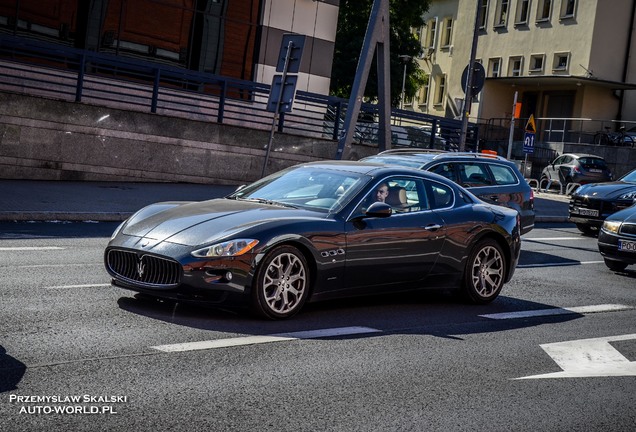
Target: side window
559 160
440 195
473 174
445 169
503 175
401 193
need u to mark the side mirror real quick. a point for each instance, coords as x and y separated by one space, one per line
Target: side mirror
379 209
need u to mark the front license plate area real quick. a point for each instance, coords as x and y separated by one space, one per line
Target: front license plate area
627 245
587 212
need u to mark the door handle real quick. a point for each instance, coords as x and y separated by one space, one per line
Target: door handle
432 227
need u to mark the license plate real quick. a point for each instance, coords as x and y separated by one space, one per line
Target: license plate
627 245
596 170
587 212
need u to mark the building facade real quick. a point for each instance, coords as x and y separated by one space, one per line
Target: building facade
231 38
563 58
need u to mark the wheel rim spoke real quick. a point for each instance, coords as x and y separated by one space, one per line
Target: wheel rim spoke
487 272
284 283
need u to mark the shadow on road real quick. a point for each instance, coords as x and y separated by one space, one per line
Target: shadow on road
11 371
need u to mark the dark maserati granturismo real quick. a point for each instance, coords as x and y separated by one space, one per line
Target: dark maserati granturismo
318 231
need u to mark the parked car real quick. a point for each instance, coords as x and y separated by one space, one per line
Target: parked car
591 204
575 168
617 239
492 178
313 232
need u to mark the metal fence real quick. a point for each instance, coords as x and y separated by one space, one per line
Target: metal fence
34 67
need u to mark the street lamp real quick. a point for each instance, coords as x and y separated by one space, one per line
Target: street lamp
405 59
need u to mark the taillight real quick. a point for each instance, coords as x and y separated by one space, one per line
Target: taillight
576 170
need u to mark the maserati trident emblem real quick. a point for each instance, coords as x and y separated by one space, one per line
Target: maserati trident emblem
141 267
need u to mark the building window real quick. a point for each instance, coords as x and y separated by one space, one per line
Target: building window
568 7
502 13
422 97
536 63
561 61
484 14
441 90
515 65
494 67
431 33
543 10
447 32
523 10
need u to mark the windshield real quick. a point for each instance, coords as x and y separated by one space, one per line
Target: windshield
305 187
630 177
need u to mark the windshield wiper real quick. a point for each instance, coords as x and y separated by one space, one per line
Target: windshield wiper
269 202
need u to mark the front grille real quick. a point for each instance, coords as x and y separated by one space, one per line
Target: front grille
592 204
628 229
145 270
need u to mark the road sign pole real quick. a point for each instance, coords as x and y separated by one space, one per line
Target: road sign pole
469 79
512 127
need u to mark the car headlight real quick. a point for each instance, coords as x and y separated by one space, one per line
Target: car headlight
628 196
611 226
226 249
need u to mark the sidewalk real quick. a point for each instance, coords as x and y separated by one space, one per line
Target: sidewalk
33 200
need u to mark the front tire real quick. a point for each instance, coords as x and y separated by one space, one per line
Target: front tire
615 265
485 272
281 283
586 229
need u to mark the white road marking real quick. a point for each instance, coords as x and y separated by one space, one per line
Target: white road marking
559 264
559 311
77 286
31 248
251 340
588 358
553 238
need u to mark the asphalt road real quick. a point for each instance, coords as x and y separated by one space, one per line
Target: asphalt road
555 352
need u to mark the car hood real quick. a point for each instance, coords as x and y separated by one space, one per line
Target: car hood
625 215
198 223
605 190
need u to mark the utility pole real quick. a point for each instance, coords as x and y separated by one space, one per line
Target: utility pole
468 99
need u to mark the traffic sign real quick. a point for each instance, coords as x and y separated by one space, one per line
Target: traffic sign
479 78
531 127
528 143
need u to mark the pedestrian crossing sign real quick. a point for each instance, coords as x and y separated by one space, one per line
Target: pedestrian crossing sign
531 127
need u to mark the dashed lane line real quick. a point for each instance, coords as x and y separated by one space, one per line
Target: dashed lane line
559 311
252 340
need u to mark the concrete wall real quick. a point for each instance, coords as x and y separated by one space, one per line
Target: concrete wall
46 139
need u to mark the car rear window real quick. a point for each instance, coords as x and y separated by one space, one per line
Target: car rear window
503 175
589 162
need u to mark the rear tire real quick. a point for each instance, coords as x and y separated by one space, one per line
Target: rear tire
485 272
615 265
281 283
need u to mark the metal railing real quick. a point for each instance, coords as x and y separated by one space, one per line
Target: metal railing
38 68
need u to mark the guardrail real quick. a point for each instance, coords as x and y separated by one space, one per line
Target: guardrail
39 68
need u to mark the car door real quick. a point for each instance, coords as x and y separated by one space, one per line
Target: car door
397 249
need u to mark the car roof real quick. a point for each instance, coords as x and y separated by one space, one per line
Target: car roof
580 155
425 156
373 169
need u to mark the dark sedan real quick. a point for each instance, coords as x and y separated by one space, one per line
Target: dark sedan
617 239
316 231
591 204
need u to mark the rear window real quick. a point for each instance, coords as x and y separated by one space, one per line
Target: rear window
503 175
589 162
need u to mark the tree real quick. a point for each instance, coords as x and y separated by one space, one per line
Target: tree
405 15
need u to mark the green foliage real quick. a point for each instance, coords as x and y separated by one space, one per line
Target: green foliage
405 16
